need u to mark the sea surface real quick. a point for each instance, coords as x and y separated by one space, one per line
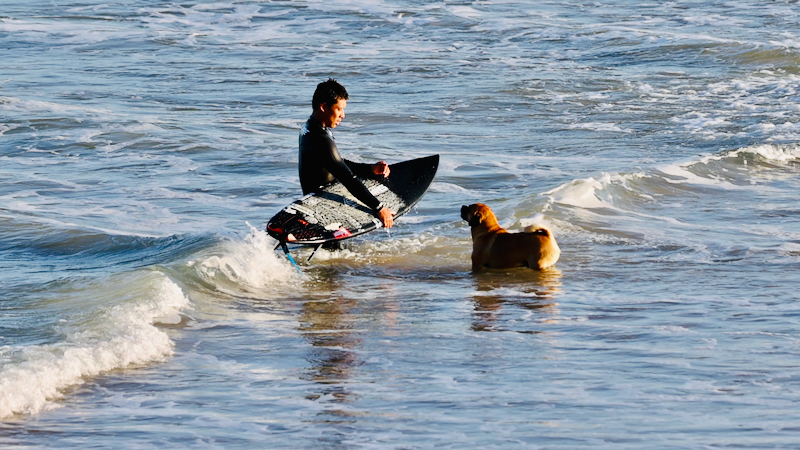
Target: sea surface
144 144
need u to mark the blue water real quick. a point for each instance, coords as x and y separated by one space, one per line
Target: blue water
144 144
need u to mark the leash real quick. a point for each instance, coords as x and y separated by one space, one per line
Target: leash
285 248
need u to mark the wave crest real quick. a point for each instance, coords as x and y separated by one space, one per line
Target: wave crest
113 338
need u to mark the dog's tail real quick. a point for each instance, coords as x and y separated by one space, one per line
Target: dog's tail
539 229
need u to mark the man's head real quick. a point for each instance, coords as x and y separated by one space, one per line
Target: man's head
329 102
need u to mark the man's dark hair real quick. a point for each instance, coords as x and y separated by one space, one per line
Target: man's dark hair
328 93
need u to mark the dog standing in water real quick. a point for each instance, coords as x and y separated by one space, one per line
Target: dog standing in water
495 248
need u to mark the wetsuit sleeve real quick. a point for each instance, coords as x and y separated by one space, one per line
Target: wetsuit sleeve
362 170
339 169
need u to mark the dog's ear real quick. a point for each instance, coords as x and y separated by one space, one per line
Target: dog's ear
476 219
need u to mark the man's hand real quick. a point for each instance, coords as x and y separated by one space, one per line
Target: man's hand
386 217
381 168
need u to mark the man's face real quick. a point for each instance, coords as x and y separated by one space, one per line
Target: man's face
332 115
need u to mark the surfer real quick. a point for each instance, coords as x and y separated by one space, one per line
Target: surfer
320 162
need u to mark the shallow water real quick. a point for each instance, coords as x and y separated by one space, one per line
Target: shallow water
144 144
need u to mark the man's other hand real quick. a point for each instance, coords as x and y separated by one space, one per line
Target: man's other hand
381 168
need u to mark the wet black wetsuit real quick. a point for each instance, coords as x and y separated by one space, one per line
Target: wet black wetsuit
320 164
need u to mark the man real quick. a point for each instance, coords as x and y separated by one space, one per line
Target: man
320 162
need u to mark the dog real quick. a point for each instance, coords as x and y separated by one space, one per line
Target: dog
495 248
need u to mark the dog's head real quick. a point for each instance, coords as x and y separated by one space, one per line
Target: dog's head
476 214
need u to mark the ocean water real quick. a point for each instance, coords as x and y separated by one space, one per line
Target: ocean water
144 144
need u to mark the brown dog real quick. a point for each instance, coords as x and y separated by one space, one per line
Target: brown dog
496 248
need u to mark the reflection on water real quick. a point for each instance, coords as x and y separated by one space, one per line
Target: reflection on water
328 327
503 299
335 326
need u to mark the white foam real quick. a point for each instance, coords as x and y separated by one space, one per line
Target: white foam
697 121
714 19
537 221
20 105
448 165
596 126
70 225
114 338
65 32
4 128
787 43
778 153
581 193
685 176
371 7
249 263
465 12
444 187
397 250
609 192
790 249
412 218
768 152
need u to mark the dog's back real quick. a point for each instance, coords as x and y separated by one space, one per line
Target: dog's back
535 247
549 249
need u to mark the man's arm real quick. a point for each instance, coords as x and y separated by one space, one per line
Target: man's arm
342 172
378 170
339 169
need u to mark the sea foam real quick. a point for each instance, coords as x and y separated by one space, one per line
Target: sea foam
582 193
114 338
246 264
778 153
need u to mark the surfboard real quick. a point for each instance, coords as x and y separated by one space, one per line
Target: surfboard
335 214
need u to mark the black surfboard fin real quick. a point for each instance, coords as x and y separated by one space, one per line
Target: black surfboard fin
314 252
